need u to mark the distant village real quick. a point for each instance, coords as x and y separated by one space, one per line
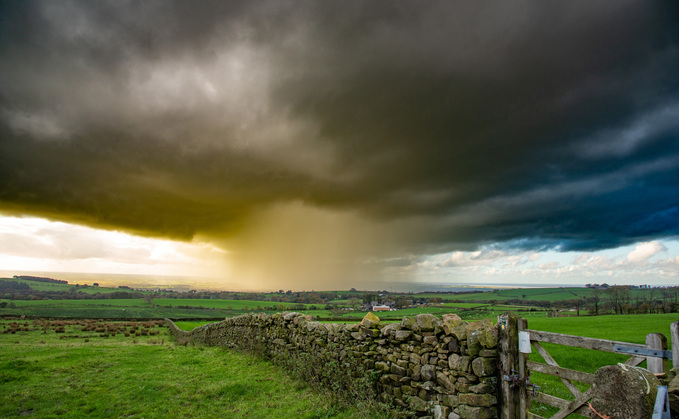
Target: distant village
606 286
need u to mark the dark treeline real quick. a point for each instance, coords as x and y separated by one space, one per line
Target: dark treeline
40 279
13 285
613 300
32 294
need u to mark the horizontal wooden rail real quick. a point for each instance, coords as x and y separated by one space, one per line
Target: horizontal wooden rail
583 377
579 341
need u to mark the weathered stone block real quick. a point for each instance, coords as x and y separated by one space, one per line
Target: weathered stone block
449 400
409 323
370 320
396 391
471 412
402 335
450 321
408 390
400 371
445 381
488 335
390 329
488 353
382 366
622 391
289 316
430 340
473 399
417 404
673 392
441 412
460 331
484 367
416 374
427 322
453 344
458 362
473 344
428 372
370 333
482 388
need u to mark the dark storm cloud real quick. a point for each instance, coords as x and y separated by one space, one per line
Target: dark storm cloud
539 124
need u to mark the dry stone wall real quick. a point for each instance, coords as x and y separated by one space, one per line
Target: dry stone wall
431 367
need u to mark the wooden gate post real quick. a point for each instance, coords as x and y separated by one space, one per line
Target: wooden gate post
674 339
657 365
510 392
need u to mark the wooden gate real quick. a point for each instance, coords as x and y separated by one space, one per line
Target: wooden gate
517 342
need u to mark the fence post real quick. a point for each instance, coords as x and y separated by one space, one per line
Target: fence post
657 365
522 324
510 395
674 339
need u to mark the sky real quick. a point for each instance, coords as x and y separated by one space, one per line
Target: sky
325 145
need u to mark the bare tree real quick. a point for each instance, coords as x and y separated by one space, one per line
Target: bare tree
595 299
666 296
149 298
652 296
618 295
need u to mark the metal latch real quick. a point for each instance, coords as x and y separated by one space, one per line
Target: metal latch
535 388
512 378
517 381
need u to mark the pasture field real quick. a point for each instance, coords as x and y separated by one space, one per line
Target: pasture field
139 308
190 325
624 328
52 286
106 309
244 305
214 309
529 294
49 374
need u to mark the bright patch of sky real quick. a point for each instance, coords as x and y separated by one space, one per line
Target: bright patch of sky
35 244
653 262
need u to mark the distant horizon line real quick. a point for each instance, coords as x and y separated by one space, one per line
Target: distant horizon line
184 282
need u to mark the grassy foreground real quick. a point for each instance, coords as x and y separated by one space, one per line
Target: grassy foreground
48 374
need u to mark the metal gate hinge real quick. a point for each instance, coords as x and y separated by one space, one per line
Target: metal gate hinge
655 353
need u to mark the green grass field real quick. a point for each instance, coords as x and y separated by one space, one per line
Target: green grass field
214 308
50 286
138 308
48 374
528 294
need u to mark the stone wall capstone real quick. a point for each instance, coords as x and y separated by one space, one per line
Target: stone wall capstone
434 368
